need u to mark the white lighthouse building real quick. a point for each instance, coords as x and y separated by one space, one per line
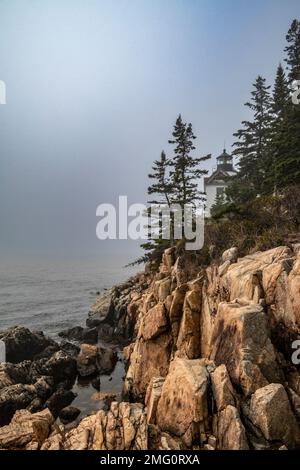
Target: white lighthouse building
215 185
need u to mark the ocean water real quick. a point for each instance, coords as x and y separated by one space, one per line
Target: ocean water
55 294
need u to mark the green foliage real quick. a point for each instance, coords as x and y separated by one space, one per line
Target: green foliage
268 144
252 143
175 181
186 170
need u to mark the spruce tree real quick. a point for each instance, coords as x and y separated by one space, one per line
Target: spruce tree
251 146
186 171
280 104
293 51
288 138
161 185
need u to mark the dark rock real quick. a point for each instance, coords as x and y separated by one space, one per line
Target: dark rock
22 344
13 398
16 373
96 383
85 335
35 406
69 414
44 387
87 361
94 359
70 348
60 367
59 400
48 352
107 360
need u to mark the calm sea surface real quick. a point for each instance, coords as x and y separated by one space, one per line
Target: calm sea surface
54 294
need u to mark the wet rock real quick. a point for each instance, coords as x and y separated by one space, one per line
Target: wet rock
59 400
107 358
22 344
69 414
94 359
84 335
13 398
11 374
271 412
96 383
70 348
60 367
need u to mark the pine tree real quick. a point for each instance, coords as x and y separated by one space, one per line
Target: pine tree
251 146
185 171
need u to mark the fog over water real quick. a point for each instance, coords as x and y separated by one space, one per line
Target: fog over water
93 89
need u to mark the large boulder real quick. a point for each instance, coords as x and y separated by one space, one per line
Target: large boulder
182 409
94 359
69 414
154 322
148 359
270 411
123 427
13 398
61 367
241 341
26 430
23 344
101 310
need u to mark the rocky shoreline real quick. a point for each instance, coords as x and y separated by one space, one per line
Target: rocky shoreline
208 356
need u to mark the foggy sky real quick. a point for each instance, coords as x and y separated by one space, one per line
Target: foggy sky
93 89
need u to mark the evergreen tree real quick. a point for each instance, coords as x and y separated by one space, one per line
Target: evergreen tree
251 146
162 185
280 104
288 137
186 171
280 97
293 51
